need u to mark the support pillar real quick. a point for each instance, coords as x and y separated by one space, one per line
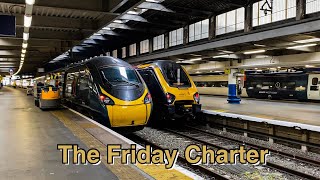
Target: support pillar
305 138
248 18
166 40
301 9
232 86
127 51
185 35
212 27
150 45
138 49
271 132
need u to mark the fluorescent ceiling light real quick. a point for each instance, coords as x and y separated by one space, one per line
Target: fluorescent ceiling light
97 34
309 66
25 36
23 55
308 40
118 21
197 55
24 51
27 21
30 2
133 12
198 72
196 59
24 45
106 28
254 52
154 1
259 45
301 46
221 56
22 59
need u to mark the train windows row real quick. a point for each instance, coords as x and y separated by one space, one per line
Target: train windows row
212 84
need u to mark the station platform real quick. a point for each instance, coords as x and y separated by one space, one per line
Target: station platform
29 139
287 113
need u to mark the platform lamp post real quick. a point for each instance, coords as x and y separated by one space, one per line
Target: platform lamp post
232 86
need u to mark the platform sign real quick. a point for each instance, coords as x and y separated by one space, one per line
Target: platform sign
8 25
227 71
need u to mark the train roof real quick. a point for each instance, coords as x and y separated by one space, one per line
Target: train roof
102 61
159 63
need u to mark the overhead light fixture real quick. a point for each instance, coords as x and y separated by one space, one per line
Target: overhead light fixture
27 21
22 59
23 55
196 59
227 52
25 36
24 51
254 52
197 55
279 67
24 45
259 45
309 66
133 12
221 56
30 2
107 28
198 72
118 21
301 46
97 34
308 40
154 1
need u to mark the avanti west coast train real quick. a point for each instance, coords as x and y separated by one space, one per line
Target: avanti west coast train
279 85
293 85
174 94
110 90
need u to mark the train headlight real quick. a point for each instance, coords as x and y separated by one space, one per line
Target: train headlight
170 98
196 97
106 100
148 99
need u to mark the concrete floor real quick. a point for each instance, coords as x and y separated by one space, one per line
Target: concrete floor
292 111
28 141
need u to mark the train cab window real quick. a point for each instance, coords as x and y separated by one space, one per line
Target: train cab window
315 81
172 72
120 76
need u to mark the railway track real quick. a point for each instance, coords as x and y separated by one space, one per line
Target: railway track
200 168
204 138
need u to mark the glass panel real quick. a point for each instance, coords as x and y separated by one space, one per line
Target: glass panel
240 19
115 53
191 32
205 29
120 76
313 6
315 81
124 53
221 24
231 21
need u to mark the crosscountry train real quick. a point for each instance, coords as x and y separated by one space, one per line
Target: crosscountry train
278 85
174 94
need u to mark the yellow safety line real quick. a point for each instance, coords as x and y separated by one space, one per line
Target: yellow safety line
220 110
120 170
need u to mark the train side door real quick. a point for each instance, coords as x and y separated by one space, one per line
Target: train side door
313 87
